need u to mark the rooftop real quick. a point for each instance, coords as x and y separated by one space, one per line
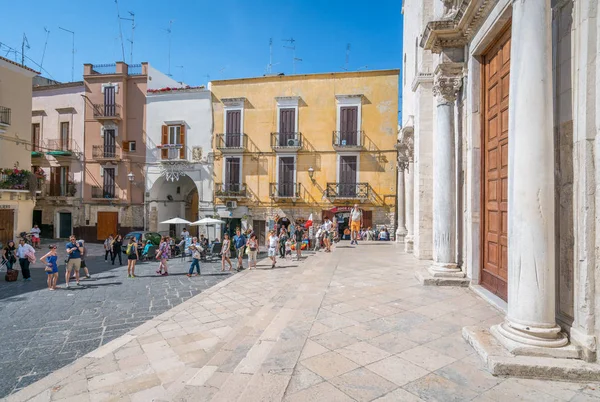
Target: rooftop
168 90
19 65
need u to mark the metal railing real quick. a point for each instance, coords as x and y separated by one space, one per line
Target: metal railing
4 115
237 141
104 192
107 110
56 144
172 153
105 152
284 190
345 190
286 141
231 190
348 139
134 69
110 68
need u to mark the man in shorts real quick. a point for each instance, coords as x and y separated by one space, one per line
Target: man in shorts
35 236
328 234
74 251
239 241
355 224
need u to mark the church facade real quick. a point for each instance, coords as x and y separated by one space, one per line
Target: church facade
498 149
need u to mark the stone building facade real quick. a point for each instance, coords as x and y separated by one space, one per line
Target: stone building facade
499 139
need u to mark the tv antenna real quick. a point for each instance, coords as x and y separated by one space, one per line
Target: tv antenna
120 30
365 67
24 44
169 33
345 68
269 67
72 53
132 19
45 46
293 48
182 74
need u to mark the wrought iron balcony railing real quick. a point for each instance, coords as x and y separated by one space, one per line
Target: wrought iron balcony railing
286 141
104 192
231 142
230 190
284 190
349 191
348 139
106 152
5 115
57 146
107 111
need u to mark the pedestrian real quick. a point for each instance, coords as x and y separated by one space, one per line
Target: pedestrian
326 227
239 241
299 236
8 254
163 254
35 236
132 257
195 249
288 248
283 237
253 251
26 255
184 233
205 246
355 223
273 244
50 259
74 250
117 246
83 258
226 252
108 248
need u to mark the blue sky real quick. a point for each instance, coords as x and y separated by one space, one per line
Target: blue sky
224 39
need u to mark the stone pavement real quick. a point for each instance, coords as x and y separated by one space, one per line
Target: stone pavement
353 325
43 331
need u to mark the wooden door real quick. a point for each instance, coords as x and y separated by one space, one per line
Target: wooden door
107 224
233 129
347 184
110 144
349 125
110 108
35 137
496 77
109 183
64 136
232 174
287 125
64 225
7 220
286 176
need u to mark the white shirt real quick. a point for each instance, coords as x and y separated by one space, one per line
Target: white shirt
185 233
327 226
273 241
355 214
22 250
35 232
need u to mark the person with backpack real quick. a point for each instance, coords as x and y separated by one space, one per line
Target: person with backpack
74 250
83 264
108 248
196 250
132 257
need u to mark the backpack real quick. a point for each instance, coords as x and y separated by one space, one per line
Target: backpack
128 249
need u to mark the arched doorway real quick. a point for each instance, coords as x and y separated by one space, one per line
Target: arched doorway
170 199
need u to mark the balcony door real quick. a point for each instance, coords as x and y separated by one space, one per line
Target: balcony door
287 174
35 137
233 129
232 174
110 144
347 174
287 126
109 101
59 181
64 136
349 125
109 183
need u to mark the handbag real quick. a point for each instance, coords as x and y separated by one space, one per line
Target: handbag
48 269
31 257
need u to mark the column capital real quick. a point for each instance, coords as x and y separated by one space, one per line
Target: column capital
447 82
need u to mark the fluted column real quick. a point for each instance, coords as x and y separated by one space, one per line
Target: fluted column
409 204
530 321
446 85
401 230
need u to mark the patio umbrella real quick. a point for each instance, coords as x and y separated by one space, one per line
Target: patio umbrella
177 221
207 221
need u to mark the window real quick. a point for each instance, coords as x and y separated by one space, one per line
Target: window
349 120
286 176
130 146
173 142
110 108
233 174
59 181
347 175
108 187
174 133
64 136
35 137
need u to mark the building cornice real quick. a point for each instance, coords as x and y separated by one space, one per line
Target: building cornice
421 78
233 101
461 21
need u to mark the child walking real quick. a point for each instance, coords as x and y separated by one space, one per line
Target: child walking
195 248
51 267
288 248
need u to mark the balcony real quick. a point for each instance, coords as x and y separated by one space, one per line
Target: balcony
60 190
348 140
230 190
170 152
286 142
106 152
354 191
279 191
61 148
232 143
4 116
104 193
107 111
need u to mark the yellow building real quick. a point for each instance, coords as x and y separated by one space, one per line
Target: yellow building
289 146
17 185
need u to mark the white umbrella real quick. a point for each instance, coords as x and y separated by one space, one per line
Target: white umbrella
207 221
177 221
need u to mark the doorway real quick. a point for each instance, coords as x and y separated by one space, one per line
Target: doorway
494 223
107 224
64 225
7 228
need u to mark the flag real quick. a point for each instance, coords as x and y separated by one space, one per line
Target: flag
308 222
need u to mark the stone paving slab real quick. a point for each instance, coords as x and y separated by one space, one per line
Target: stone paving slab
353 325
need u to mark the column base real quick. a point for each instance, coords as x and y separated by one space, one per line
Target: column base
408 244
501 362
428 278
400 236
439 269
542 342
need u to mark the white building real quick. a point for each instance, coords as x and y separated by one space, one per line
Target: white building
500 130
57 148
179 179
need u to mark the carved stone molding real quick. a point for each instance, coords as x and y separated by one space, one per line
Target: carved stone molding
447 82
406 145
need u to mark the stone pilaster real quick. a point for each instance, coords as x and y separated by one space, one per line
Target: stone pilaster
405 160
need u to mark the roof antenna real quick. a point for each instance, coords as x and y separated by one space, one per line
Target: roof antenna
269 67
45 46
24 44
293 47
182 74
169 33
72 54
345 68
132 19
365 67
120 30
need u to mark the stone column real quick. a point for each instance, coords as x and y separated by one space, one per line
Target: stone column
409 202
530 325
446 85
401 230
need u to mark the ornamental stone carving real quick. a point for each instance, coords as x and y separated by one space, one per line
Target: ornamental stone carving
445 89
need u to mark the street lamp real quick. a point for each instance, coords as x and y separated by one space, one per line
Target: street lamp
131 177
311 173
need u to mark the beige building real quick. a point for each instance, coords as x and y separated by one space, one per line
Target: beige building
500 137
17 184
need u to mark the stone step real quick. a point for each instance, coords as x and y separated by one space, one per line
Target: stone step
427 279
